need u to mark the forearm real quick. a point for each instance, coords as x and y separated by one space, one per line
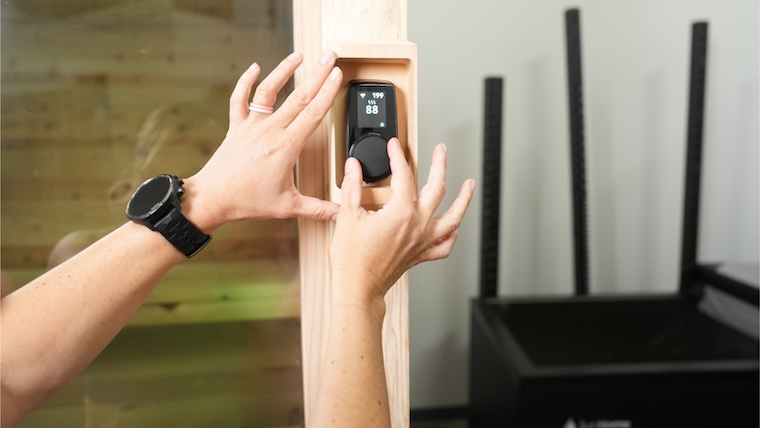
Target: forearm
353 390
53 327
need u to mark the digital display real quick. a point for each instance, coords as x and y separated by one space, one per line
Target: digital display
151 193
371 112
371 120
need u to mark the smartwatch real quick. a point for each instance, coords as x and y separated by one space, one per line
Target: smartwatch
155 204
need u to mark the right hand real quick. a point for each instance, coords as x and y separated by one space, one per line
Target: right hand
372 249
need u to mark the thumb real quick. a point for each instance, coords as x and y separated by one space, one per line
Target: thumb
351 189
316 209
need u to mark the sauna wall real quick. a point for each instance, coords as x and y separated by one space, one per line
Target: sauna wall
97 96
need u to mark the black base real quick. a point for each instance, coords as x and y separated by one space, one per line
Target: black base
608 362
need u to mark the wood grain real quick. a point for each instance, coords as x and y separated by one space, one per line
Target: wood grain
98 95
208 375
370 40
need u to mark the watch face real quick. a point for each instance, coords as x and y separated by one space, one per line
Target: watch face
149 197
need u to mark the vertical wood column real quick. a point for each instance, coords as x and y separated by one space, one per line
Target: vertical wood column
369 37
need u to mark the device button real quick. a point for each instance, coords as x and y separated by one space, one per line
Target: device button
371 150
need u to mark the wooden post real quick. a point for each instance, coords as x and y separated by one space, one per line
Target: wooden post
369 37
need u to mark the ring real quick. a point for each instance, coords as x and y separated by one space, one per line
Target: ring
258 108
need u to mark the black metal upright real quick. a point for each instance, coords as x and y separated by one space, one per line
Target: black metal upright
577 151
697 82
489 231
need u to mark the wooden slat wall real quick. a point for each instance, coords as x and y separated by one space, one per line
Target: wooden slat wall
212 375
88 87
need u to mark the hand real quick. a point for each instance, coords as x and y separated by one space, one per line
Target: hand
251 175
372 249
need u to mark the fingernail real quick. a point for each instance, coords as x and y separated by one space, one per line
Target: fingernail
334 218
348 167
472 184
335 74
327 56
295 56
445 149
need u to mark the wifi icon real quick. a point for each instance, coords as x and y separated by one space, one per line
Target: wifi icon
362 94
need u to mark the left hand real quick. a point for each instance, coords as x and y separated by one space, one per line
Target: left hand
251 175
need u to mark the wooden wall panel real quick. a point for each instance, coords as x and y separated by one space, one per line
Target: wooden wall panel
89 88
90 91
365 34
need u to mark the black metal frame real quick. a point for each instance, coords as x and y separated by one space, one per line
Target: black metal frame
577 150
509 385
489 231
697 82
693 274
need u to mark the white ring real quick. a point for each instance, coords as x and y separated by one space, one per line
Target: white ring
258 108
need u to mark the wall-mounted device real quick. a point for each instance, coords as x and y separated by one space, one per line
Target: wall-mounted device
371 120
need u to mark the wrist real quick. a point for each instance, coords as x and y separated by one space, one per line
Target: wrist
356 296
198 206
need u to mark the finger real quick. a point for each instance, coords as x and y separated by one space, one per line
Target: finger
311 116
440 249
241 93
266 93
433 192
315 209
448 222
304 93
403 186
351 188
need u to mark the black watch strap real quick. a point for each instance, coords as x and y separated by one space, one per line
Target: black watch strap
181 233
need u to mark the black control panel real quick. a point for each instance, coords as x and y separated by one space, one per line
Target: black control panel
371 120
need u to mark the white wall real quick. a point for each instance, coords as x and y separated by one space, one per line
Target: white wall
635 59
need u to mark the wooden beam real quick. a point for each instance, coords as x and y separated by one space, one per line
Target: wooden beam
370 40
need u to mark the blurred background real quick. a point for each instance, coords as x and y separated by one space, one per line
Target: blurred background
98 96
636 76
